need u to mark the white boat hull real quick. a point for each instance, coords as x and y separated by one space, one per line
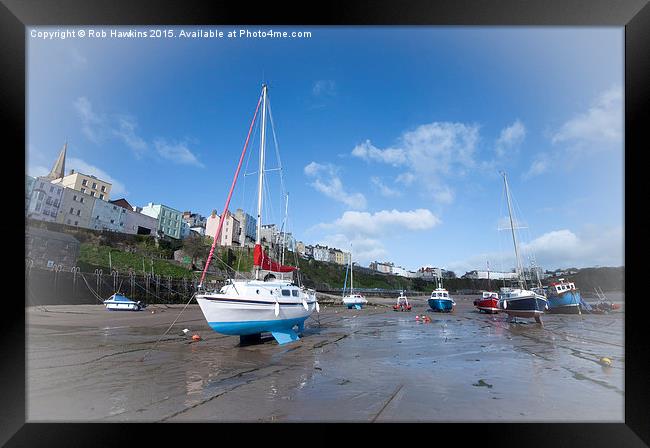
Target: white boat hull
253 312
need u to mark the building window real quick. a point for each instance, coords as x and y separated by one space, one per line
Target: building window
71 210
101 196
76 223
92 193
84 183
112 221
103 188
51 189
81 200
94 185
78 212
83 190
68 221
74 198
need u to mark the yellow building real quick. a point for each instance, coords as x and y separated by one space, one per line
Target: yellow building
90 185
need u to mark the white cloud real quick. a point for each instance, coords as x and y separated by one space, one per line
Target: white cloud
126 132
324 87
431 153
600 125
364 250
81 166
384 222
37 171
94 126
367 231
393 156
558 249
385 190
177 152
539 166
510 138
328 182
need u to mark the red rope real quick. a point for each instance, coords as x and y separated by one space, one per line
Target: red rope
232 187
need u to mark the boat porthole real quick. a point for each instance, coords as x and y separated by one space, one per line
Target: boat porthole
257 291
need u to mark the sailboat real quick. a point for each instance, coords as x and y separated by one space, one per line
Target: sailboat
353 300
250 307
440 300
520 301
489 302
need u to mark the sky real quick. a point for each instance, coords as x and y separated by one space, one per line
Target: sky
391 140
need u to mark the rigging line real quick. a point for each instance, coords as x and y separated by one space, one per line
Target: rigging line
277 147
234 181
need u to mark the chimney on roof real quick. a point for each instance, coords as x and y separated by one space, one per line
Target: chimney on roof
71 171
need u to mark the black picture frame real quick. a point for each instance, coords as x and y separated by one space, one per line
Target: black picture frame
634 15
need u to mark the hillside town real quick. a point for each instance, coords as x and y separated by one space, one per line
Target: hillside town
84 201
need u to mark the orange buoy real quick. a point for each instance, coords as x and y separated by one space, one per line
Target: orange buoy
196 337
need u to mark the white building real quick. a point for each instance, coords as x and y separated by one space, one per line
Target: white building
198 230
384 268
45 200
493 275
108 216
321 253
398 270
135 223
429 272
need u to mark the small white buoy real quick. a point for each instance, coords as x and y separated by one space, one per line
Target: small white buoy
186 331
304 304
277 309
317 308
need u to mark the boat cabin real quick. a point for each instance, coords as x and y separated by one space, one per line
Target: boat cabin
562 286
490 295
440 294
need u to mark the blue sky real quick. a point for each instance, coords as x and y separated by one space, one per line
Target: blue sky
391 138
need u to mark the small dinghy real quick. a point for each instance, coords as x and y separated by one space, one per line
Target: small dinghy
402 303
119 302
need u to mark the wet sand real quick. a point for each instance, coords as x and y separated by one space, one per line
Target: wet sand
85 363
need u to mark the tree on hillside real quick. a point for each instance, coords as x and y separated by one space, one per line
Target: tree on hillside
195 248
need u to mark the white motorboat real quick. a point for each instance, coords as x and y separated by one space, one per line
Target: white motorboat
119 302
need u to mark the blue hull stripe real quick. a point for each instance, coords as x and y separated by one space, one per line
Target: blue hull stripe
440 305
256 302
255 327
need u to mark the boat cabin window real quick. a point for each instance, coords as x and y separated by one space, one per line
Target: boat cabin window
286 292
294 293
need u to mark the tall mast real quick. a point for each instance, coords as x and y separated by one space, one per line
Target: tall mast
260 179
488 266
351 272
514 238
284 226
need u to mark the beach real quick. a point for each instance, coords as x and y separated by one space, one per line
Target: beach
85 364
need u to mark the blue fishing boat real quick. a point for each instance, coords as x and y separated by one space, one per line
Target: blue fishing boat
119 302
563 297
440 301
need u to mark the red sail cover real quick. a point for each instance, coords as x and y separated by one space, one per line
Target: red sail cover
262 259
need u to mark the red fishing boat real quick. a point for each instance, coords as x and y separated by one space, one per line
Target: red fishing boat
489 303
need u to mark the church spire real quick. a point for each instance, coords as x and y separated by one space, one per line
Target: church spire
58 170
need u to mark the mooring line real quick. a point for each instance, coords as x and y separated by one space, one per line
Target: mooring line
172 324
